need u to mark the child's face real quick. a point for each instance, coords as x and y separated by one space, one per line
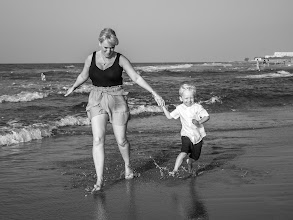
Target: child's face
187 98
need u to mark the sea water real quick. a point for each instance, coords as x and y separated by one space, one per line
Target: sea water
45 138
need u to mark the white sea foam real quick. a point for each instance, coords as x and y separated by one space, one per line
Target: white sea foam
213 100
17 133
163 67
70 66
128 83
23 97
73 120
217 64
25 134
145 108
278 74
81 89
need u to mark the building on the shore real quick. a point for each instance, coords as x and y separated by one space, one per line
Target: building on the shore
278 58
281 54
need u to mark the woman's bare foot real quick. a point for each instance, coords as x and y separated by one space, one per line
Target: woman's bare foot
98 186
129 173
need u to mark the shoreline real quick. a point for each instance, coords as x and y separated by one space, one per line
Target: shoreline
246 174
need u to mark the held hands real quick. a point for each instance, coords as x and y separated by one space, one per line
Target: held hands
160 101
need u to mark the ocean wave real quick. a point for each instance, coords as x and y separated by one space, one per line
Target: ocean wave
82 89
216 64
25 134
23 97
278 74
70 66
163 67
72 120
17 133
128 83
213 100
145 108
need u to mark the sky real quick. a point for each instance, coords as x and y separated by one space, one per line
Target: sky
66 31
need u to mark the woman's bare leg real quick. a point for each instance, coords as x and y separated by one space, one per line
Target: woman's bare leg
124 147
99 124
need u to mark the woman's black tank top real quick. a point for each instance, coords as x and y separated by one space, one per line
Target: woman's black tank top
112 76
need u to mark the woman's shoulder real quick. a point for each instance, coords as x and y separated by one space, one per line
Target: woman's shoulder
121 55
122 59
89 58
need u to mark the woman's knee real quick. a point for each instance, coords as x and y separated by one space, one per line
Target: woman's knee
98 141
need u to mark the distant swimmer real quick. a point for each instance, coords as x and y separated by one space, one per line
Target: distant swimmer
257 65
43 77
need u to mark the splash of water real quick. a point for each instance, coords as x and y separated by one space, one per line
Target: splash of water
161 169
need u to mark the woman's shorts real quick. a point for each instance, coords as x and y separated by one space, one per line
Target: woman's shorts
110 101
194 150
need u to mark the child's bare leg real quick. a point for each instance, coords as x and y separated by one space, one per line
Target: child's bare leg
190 164
178 162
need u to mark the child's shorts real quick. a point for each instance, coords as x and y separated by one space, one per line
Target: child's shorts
194 150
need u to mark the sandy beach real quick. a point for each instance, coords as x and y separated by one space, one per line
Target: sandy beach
243 174
54 56
250 181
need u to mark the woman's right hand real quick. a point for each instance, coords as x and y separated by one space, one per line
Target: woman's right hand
69 91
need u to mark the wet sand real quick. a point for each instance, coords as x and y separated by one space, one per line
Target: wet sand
254 183
245 172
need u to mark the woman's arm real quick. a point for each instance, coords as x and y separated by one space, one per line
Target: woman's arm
82 77
126 65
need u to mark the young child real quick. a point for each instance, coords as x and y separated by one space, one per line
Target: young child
192 117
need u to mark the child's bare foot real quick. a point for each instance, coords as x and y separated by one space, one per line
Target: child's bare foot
173 173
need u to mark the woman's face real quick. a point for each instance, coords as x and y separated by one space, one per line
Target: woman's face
107 48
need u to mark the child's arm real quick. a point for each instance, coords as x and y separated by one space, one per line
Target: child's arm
201 121
167 113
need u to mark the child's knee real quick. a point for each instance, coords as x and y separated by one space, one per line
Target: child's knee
183 154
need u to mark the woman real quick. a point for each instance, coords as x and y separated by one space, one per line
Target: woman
107 100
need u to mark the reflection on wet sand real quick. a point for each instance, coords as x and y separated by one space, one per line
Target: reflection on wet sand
190 207
104 211
100 209
134 200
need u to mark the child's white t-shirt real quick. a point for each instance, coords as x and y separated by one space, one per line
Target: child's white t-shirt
186 114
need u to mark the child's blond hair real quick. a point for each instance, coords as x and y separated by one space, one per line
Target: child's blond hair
187 86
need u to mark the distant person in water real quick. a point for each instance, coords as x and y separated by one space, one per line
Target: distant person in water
192 117
264 63
43 77
108 101
257 65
